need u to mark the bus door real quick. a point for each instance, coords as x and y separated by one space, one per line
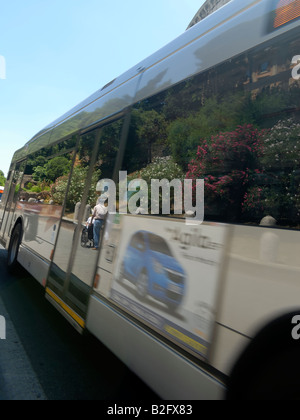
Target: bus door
74 262
10 200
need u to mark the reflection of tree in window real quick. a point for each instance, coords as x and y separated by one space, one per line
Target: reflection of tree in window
225 112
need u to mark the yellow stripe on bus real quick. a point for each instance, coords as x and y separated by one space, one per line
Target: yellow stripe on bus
185 339
66 308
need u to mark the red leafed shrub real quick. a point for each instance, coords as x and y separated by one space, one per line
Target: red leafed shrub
226 162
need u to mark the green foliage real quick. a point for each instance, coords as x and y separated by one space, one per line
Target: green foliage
185 134
277 190
53 169
273 100
282 146
161 168
2 179
227 162
109 146
251 173
151 128
59 188
36 189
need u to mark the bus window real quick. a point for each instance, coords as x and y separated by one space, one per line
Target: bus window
5 195
42 195
74 261
13 193
236 126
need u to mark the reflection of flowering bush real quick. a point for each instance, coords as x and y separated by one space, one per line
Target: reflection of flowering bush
282 146
271 200
161 168
251 173
253 201
261 201
76 188
281 162
58 190
226 162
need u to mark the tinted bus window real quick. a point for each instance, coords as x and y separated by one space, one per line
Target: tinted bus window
236 126
42 195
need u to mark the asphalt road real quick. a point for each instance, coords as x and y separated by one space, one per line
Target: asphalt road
44 358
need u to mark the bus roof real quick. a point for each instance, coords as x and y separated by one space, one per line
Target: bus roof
201 46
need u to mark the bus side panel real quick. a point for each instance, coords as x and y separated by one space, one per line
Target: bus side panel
171 375
41 223
261 284
34 264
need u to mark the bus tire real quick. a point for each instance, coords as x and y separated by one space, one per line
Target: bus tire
276 379
269 368
13 249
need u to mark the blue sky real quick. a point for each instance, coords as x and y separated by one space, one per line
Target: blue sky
58 52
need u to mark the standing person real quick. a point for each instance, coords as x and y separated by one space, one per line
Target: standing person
98 218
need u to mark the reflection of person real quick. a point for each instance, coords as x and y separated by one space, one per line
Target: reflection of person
99 214
102 197
89 222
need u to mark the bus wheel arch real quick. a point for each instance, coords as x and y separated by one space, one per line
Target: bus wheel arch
269 368
14 246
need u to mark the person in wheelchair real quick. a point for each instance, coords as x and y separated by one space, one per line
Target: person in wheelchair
87 235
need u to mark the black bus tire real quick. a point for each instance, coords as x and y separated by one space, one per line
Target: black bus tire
13 249
269 368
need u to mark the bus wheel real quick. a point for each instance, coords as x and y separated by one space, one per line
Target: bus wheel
269 367
13 249
277 379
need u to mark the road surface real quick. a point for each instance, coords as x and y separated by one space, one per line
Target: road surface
44 358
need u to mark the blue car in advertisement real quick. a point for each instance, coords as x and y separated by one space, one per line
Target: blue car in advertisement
150 265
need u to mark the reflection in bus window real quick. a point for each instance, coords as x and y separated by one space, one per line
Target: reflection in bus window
240 133
85 258
42 196
4 196
219 104
12 193
73 265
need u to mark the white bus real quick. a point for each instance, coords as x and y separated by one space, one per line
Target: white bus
206 311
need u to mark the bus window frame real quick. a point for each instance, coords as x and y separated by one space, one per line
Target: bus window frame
64 291
11 199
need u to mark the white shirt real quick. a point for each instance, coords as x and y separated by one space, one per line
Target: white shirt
100 212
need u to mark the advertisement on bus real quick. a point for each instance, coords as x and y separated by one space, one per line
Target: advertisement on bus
167 274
